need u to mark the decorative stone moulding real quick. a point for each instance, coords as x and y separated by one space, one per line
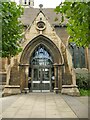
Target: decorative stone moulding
40 25
11 90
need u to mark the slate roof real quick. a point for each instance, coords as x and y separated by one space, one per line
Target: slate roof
31 13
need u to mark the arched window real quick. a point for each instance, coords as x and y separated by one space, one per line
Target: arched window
41 56
78 55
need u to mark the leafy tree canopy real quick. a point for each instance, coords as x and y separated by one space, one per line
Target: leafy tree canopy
78 26
11 29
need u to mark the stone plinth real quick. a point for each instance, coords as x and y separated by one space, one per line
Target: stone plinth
11 90
70 90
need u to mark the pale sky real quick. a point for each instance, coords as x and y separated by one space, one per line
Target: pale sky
46 3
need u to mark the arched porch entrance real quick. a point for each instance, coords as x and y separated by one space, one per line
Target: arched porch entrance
41 64
41 72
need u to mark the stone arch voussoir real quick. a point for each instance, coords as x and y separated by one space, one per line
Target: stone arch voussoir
49 44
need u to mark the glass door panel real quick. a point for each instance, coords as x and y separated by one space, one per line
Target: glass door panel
46 80
35 78
41 81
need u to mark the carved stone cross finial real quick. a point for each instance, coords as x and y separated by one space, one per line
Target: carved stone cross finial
41 5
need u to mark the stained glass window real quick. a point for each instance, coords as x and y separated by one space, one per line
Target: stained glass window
78 55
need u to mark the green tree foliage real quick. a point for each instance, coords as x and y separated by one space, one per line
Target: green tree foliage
78 26
11 29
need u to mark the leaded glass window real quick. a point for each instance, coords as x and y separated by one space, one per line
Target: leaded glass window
78 55
41 56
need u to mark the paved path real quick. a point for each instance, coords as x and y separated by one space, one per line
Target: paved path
44 105
79 105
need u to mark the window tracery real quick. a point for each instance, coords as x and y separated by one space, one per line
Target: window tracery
41 57
78 55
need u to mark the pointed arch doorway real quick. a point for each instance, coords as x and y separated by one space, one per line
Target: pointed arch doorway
41 61
41 70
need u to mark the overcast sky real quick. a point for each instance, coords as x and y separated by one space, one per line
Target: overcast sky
46 3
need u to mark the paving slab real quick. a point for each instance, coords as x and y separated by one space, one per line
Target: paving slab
78 105
8 101
42 105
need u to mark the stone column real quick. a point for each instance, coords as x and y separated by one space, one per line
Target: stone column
73 77
32 76
59 78
56 76
26 75
50 79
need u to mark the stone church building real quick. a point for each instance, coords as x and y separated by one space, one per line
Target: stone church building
48 61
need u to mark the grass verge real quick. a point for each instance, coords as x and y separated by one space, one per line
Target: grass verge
84 92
